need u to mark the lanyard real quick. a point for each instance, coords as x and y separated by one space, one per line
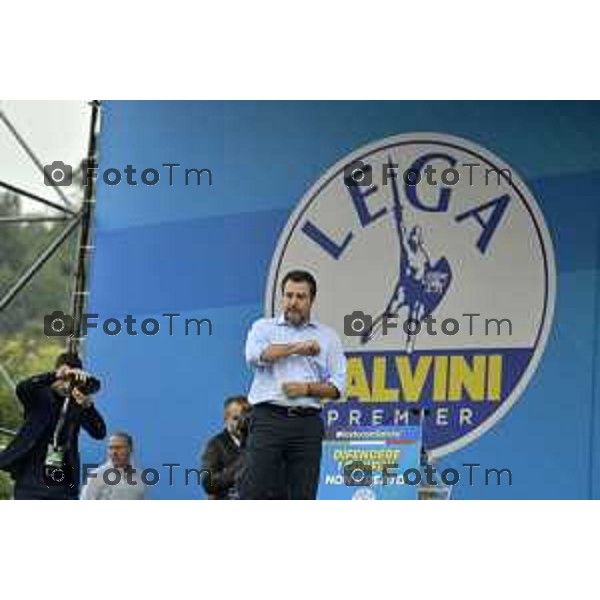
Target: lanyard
61 421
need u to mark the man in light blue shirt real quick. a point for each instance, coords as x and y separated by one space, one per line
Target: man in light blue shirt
117 478
297 362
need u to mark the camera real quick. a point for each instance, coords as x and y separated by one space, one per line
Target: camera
57 324
56 473
58 174
357 323
358 173
90 384
357 473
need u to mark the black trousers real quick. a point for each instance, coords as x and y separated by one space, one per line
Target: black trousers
283 455
40 492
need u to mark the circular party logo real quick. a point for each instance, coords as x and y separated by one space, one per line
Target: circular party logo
435 266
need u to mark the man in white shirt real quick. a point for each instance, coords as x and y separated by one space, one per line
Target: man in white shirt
298 363
116 479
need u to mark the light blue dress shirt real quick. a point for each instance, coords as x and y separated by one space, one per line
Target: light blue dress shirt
327 366
119 488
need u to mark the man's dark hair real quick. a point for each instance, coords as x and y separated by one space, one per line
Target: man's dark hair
70 359
299 276
233 399
124 436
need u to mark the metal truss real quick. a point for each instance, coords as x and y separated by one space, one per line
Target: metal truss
75 218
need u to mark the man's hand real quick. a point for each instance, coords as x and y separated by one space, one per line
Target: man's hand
275 352
314 389
308 348
62 371
81 398
294 389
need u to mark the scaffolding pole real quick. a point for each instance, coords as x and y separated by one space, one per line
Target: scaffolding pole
39 262
80 286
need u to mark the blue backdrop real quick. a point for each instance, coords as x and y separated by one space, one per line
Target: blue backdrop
204 252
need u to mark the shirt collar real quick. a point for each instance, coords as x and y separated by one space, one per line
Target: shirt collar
233 438
281 321
109 465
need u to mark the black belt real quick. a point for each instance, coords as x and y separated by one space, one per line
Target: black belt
291 411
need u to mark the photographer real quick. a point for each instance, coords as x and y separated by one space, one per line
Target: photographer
223 455
43 459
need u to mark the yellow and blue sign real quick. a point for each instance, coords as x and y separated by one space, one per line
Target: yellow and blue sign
434 228
371 463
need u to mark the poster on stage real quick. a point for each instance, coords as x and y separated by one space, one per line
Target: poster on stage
370 463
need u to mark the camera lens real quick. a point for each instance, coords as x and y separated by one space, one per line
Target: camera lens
57 325
57 475
90 385
57 175
358 325
357 475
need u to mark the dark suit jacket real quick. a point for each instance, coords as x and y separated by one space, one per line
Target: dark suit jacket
24 457
223 458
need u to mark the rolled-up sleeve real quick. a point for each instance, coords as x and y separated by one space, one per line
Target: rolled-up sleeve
336 365
256 343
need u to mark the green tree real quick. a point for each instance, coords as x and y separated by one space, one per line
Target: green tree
20 356
24 349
